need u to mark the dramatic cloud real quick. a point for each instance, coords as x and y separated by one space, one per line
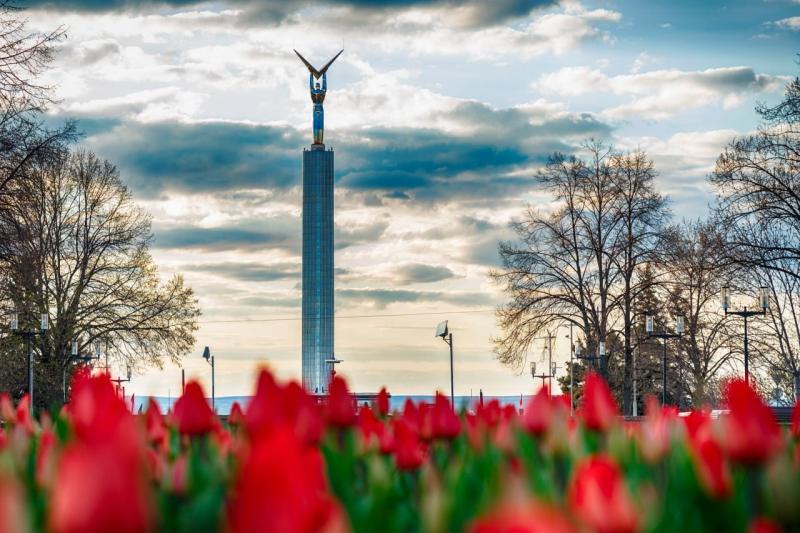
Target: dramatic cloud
250 272
381 298
421 273
659 94
472 12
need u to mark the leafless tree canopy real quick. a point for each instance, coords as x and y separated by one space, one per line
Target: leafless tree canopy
75 245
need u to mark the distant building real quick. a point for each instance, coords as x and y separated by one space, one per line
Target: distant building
317 267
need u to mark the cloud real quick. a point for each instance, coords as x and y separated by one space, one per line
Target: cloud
224 238
466 12
791 23
201 156
249 272
660 94
411 273
486 158
382 298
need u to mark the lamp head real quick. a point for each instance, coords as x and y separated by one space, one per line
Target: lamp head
14 322
763 298
206 353
601 349
75 347
648 324
441 329
726 298
680 325
45 322
533 369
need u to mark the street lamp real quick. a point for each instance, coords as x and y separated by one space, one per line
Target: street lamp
763 302
210 360
74 356
679 329
447 336
332 362
28 335
543 376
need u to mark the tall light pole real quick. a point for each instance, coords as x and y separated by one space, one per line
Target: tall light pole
745 313
447 336
29 335
571 371
679 328
543 376
210 360
74 356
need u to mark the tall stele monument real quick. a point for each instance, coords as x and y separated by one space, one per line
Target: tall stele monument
317 244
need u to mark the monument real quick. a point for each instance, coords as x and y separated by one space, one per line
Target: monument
317 312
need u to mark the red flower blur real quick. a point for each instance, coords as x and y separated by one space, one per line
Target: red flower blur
533 518
340 407
599 497
409 452
281 488
752 434
192 412
656 430
383 402
236 416
444 421
101 482
598 408
540 412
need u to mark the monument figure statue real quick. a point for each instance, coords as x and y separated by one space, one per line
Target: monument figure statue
318 94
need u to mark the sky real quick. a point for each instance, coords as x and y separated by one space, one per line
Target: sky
440 112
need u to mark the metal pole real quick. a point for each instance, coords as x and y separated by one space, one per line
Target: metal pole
635 358
183 380
550 363
797 386
746 355
213 392
664 374
571 373
30 371
452 388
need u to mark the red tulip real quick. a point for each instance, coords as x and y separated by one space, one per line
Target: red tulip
763 525
100 482
710 465
599 497
179 476
7 411
236 416
13 515
154 423
656 430
751 432
383 402
340 410
445 423
192 412
281 487
372 430
409 452
46 458
533 518
540 412
273 407
599 411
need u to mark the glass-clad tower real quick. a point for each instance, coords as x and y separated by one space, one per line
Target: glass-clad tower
317 267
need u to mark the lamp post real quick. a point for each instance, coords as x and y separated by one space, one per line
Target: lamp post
745 313
571 371
679 328
120 381
447 336
543 376
210 360
28 335
75 357
333 362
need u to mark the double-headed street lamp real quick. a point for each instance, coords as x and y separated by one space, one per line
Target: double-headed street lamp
745 313
28 335
544 376
664 336
74 356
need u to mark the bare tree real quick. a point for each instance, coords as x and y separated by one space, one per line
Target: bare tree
642 215
76 247
757 179
580 262
697 270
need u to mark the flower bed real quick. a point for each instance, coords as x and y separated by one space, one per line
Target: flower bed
287 463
